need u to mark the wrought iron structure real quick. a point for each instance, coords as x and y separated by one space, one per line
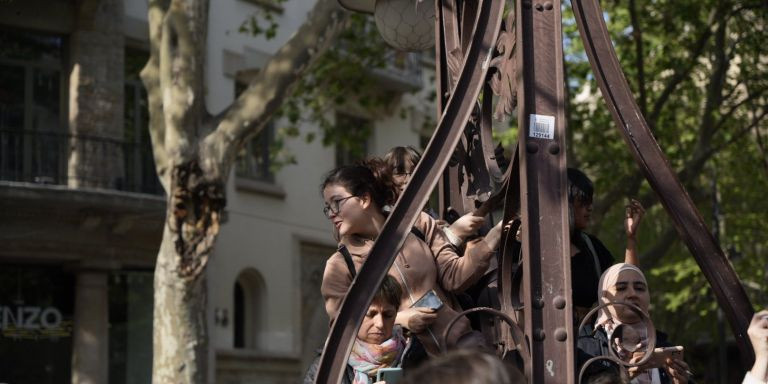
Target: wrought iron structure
519 60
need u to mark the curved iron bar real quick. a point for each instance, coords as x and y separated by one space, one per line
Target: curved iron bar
508 280
425 176
452 191
486 138
643 317
583 370
518 336
509 178
479 163
652 162
613 357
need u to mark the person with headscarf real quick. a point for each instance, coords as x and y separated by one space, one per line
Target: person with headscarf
621 328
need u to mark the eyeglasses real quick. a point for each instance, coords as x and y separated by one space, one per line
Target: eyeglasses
334 207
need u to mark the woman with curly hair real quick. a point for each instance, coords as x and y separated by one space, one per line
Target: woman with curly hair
355 197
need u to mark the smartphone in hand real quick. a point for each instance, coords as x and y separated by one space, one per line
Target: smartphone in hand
429 300
389 375
661 354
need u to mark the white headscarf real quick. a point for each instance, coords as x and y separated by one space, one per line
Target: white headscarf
609 323
608 280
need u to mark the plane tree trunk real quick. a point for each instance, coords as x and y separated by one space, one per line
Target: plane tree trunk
194 153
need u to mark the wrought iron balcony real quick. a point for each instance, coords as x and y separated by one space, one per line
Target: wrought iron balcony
77 161
402 71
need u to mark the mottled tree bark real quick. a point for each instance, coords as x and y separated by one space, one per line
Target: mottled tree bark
194 153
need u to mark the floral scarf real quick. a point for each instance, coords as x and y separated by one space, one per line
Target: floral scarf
367 358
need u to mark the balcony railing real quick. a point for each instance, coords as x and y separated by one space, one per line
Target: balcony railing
77 161
402 71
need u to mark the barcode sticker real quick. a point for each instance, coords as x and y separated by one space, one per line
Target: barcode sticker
542 127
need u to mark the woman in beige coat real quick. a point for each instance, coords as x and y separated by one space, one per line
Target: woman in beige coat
354 197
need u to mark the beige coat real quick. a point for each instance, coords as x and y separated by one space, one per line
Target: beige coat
438 268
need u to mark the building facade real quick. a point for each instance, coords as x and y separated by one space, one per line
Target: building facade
83 211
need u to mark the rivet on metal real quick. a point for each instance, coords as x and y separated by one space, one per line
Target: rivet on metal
559 302
554 148
539 334
561 334
531 147
538 303
548 5
539 7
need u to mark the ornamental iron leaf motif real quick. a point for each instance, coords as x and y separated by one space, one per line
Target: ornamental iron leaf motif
454 60
503 82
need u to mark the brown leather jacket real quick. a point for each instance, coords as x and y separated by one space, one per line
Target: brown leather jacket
438 268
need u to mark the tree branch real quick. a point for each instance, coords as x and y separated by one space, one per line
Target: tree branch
703 151
714 98
669 237
257 104
681 72
650 258
150 76
182 60
727 115
761 146
617 192
741 132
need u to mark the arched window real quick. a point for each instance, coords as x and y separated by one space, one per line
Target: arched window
249 293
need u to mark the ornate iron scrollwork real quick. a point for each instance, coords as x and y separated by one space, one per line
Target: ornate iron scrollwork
504 80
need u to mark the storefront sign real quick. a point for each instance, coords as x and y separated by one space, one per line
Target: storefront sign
32 322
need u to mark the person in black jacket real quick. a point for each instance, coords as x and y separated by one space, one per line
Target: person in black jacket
589 257
622 329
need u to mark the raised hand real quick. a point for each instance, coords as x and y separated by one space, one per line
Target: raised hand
758 335
677 370
634 214
466 225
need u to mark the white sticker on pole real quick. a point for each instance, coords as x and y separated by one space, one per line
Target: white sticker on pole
542 127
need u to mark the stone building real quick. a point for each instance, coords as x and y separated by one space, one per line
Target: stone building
82 210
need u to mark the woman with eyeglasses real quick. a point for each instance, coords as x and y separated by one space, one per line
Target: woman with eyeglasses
355 196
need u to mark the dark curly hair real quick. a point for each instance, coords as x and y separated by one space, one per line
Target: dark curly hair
372 176
389 292
401 158
579 187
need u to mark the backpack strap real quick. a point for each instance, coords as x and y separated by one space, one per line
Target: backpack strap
418 234
348 260
591 247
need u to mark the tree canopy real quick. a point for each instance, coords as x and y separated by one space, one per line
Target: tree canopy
699 73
